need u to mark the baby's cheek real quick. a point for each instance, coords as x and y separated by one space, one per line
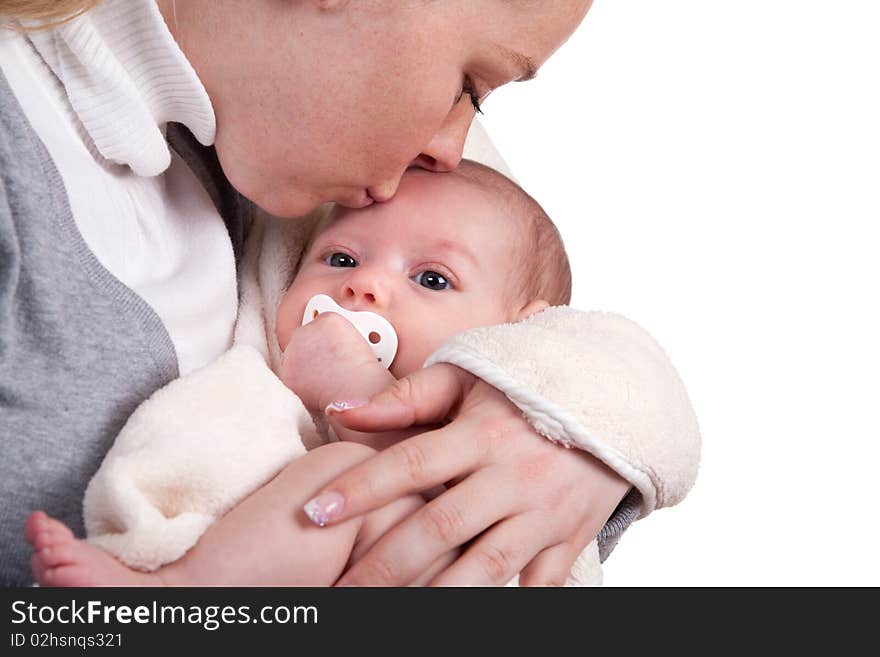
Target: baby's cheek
412 351
418 345
405 363
283 329
289 317
422 332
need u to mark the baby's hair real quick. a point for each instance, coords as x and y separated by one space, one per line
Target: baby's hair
546 273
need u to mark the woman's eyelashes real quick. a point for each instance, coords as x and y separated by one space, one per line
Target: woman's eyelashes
468 87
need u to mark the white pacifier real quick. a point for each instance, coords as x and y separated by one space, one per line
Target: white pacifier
375 329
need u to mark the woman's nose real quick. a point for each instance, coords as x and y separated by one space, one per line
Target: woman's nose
364 289
443 153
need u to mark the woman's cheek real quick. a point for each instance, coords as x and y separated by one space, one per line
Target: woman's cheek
416 128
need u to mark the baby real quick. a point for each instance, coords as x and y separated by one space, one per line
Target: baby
450 252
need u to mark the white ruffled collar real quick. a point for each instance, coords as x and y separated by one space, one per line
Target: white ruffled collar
126 78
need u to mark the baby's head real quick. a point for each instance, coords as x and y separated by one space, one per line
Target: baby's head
450 251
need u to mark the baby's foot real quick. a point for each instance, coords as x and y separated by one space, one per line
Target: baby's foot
60 559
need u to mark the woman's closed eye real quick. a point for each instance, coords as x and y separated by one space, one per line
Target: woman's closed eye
468 87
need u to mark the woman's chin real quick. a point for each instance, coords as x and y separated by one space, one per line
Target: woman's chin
298 204
285 205
278 200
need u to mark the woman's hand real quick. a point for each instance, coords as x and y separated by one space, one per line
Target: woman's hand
533 506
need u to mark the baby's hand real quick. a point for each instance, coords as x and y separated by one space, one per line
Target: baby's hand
324 360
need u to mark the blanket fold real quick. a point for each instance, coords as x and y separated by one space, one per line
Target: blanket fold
596 381
189 454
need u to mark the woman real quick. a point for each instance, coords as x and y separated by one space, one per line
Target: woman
118 271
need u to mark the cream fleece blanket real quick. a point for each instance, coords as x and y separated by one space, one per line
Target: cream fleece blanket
201 444
591 380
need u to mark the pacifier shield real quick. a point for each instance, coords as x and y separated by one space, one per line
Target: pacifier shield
375 329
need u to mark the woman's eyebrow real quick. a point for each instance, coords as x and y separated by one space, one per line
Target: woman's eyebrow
525 65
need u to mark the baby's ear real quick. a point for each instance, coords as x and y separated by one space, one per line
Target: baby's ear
532 308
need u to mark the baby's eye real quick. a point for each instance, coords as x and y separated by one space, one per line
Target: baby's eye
432 280
340 260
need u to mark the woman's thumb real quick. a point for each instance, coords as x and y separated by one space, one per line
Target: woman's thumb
427 396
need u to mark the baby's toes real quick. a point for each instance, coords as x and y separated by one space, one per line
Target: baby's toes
74 574
50 533
59 554
58 529
34 525
44 541
38 568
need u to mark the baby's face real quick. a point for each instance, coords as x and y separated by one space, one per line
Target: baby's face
437 259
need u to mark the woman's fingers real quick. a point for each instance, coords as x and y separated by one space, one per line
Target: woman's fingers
426 396
410 466
522 495
485 423
551 567
437 567
497 556
408 550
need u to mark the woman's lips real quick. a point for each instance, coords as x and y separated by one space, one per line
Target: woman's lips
365 198
377 196
358 201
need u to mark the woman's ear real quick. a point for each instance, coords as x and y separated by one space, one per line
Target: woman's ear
532 308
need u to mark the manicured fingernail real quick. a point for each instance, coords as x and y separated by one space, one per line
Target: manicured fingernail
344 405
324 508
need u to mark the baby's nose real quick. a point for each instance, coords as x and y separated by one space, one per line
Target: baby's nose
369 297
364 288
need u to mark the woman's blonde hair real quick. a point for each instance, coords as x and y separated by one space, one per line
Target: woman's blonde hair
42 13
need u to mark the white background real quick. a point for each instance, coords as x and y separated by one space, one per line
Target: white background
714 168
